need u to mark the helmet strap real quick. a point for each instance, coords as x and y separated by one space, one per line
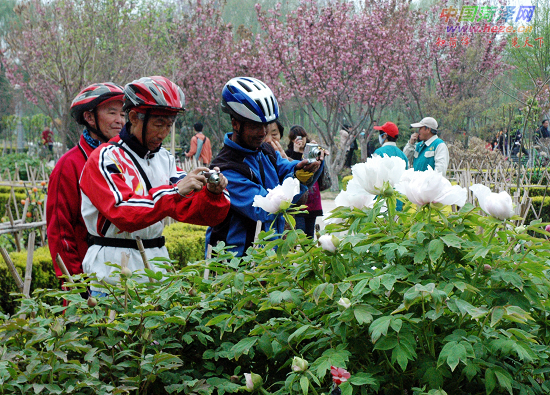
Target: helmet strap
97 131
144 128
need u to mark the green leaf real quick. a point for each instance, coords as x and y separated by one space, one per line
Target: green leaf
374 283
298 332
504 379
243 347
490 380
304 384
379 327
420 255
496 315
387 280
218 319
363 378
238 283
452 240
387 343
454 352
435 249
318 292
402 355
363 313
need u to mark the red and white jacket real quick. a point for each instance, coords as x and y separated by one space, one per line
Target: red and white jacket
116 203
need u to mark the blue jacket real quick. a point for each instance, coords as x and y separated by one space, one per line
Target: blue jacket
239 227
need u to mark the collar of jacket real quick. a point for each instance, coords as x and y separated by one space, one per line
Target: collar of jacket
230 143
134 143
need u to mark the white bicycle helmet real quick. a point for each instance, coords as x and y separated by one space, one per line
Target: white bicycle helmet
247 98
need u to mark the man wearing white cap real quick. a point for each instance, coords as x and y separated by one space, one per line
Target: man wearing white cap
430 151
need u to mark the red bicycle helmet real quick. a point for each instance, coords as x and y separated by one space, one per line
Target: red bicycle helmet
93 95
155 95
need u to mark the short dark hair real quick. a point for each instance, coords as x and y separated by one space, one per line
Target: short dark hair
544 120
198 127
392 139
280 127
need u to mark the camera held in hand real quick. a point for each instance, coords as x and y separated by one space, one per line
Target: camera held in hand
212 176
312 152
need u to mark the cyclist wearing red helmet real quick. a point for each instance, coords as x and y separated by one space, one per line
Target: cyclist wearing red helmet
98 107
132 184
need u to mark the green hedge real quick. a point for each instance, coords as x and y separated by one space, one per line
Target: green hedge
545 213
185 243
43 276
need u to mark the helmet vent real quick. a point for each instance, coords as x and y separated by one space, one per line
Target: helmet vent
260 104
272 103
246 87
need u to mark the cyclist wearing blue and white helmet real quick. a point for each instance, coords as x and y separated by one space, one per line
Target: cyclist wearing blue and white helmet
252 166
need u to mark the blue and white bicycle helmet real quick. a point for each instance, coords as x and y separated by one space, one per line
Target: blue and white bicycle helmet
247 98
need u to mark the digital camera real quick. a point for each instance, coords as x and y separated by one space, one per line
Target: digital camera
212 176
312 152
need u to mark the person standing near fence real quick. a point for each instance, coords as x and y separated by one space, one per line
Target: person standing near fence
98 108
200 149
47 138
430 150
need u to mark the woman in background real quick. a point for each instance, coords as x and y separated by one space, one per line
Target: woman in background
312 199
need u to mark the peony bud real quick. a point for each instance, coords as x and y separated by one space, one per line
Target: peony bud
299 364
326 243
92 302
487 268
126 272
253 381
547 228
344 302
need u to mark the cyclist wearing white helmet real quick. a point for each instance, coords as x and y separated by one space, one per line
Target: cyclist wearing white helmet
251 165
98 108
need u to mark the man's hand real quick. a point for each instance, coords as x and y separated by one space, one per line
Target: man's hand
414 139
195 181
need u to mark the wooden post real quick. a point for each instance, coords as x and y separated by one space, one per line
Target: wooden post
208 256
12 269
28 270
63 268
16 234
144 257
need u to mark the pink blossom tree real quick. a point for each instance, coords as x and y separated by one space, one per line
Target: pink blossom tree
59 47
338 62
213 54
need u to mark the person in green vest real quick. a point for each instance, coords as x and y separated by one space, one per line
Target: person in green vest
389 133
425 148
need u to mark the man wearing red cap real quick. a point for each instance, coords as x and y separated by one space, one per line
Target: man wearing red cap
389 133
130 185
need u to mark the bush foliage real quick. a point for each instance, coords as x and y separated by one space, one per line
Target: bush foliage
428 303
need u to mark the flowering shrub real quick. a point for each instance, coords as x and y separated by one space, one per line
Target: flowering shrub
419 301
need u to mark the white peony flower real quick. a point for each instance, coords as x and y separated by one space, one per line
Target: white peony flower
327 243
498 205
344 302
354 196
424 187
278 198
377 171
